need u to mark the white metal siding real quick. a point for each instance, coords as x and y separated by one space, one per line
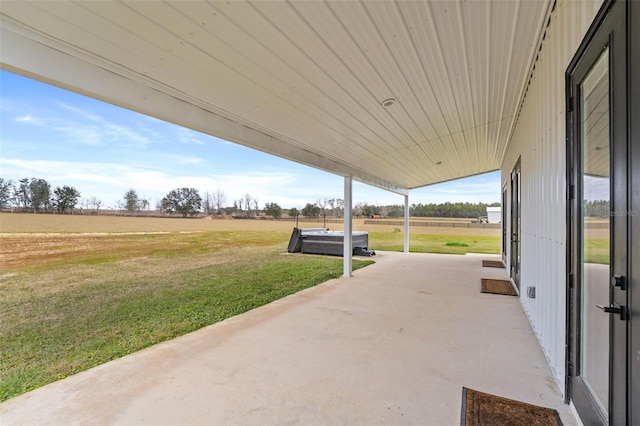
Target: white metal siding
539 140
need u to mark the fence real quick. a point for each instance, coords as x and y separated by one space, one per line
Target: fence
436 224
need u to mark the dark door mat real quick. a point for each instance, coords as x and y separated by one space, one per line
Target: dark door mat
490 285
483 409
492 264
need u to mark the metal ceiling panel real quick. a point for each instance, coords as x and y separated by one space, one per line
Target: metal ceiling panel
310 76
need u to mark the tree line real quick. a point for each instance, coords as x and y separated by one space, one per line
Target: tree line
37 195
457 210
362 209
597 208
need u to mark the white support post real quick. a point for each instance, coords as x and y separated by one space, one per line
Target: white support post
348 234
406 223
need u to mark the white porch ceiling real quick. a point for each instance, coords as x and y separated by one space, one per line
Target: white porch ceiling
302 80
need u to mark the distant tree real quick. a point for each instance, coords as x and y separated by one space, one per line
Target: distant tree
395 211
6 192
597 208
23 194
273 209
338 211
322 204
92 203
219 200
310 210
213 202
247 200
65 198
183 201
293 212
359 209
333 204
40 194
207 203
132 202
370 210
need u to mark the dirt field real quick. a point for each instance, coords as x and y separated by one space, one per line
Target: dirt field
11 223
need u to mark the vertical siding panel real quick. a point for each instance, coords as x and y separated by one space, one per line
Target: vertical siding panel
539 140
548 313
556 154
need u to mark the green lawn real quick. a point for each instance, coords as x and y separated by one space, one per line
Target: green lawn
596 250
64 316
429 243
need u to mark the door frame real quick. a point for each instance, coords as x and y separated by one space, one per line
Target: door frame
612 33
504 221
633 37
515 229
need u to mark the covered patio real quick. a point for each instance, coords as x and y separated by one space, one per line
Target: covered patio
398 95
394 344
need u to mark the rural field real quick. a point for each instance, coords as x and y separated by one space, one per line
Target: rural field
78 291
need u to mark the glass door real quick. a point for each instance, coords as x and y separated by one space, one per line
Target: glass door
595 235
599 243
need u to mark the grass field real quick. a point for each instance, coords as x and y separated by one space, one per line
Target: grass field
596 246
77 291
381 237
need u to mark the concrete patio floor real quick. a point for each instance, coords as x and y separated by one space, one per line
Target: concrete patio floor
394 344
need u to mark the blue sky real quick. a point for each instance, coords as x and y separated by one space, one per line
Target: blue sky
103 150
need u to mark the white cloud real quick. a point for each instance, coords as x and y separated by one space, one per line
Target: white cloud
187 136
24 119
81 112
30 119
86 128
181 160
109 181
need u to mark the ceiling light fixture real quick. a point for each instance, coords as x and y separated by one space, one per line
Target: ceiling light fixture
388 102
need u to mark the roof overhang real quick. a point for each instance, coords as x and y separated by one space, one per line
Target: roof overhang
304 81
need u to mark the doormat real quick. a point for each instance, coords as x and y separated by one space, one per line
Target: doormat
483 409
490 285
492 264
